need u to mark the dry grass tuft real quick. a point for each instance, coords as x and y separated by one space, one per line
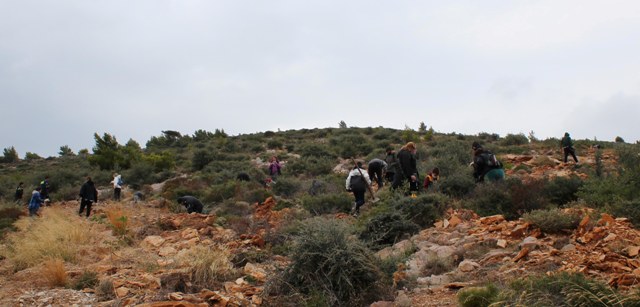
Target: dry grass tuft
55 235
119 220
54 273
208 265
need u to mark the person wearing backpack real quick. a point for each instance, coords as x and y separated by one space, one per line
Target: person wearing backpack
274 168
485 165
432 177
117 186
191 203
567 147
357 183
35 202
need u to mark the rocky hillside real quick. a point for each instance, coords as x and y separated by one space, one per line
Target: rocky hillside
148 256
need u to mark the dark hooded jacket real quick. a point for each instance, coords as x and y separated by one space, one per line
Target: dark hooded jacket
88 191
408 163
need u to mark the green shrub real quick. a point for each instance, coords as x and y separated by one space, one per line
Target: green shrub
387 228
423 210
553 220
457 184
629 209
286 186
562 190
310 166
326 259
514 139
435 265
327 203
88 279
477 296
562 289
488 199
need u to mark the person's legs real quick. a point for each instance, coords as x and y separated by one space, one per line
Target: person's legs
89 208
573 154
566 154
116 194
82 205
397 181
359 195
379 178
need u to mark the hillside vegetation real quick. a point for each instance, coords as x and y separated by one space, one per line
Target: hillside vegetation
293 242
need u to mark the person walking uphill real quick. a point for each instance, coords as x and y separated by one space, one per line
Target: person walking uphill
35 202
408 169
357 182
567 147
191 203
485 165
375 169
88 196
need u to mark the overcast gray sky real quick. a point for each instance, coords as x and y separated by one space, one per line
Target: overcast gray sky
69 69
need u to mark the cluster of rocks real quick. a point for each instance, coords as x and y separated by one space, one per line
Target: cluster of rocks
491 248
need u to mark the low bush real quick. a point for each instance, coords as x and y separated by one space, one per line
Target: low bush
629 209
562 289
423 210
310 166
488 199
553 220
457 184
514 139
88 279
54 235
54 273
435 265
208 266
328 262
327 203
562 190
286 187
477 296
105 290
386 228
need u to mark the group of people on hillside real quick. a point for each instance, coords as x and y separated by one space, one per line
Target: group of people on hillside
401 169
88 194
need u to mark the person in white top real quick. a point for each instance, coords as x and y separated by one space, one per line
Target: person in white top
117 186
357 182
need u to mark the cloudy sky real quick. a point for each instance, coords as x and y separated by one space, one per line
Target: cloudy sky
69 69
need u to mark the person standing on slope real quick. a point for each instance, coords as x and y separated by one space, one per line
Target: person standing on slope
88 196
408 169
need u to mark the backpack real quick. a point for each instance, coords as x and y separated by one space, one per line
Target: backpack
120 182
490 160
357 183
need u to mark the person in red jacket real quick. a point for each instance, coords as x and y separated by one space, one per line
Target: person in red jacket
433 176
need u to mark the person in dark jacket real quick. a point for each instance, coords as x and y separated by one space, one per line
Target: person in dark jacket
376 168
408 169
19 192
88 196
44 188
485 165
191 203
392 164
567 147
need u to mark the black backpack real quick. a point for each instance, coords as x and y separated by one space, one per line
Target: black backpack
357 183
490 160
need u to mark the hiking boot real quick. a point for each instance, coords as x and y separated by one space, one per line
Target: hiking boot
353 208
